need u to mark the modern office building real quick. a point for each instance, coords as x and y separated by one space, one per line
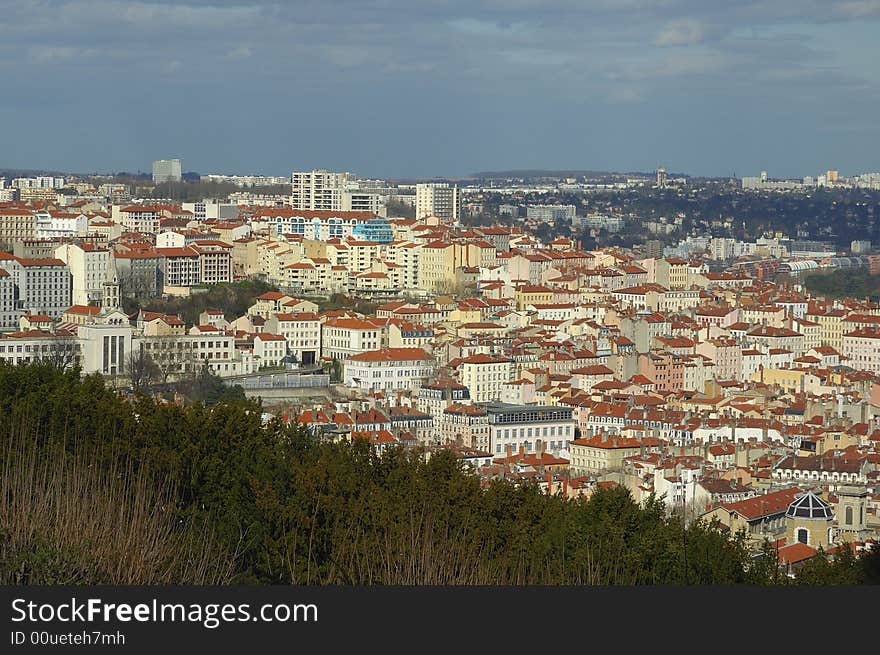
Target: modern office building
167 170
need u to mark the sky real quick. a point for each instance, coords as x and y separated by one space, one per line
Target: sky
442 88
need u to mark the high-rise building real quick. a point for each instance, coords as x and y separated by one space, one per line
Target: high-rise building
438 199
661 177
167 170
317 189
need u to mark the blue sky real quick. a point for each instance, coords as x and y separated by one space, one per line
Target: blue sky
442 87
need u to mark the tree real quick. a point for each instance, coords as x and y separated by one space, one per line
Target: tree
141 369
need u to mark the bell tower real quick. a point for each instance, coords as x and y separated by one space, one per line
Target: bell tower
111 297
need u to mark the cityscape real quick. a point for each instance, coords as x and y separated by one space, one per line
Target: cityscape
543 330
490 310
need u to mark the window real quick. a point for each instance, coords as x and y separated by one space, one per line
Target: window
803 535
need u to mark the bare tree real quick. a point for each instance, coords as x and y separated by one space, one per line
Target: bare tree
141 368
61 352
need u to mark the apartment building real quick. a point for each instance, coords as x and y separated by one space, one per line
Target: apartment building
442 200
215 261
342 338
517 427
318 189
16 225
485 376
302 330
389 369
45 286
88 267
181 267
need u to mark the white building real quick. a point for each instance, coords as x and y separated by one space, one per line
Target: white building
167 170
88 268
51 225
45 286
302 330
8 292
35 346
522 426
105 348
343 337
269 349
141 218
438 199
389 369
317 189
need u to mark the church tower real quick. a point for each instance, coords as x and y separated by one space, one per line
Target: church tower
111 297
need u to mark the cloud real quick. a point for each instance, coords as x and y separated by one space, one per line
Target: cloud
471 60
239 53
681 32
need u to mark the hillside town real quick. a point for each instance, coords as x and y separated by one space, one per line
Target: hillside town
729 392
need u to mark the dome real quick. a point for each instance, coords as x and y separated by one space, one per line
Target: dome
809 506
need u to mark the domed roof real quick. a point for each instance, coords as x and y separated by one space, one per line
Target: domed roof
809 506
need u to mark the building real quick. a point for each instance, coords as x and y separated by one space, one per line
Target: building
464 424
434 397
167 170
602 452
180 266
550 213
343 337
8 294
16 225
45 286
302 330
324 224
140 272
105 347
318 189
389 369
215 261
52 225
530 428
439 199
485 376
88 266
25 347
661 177
142 218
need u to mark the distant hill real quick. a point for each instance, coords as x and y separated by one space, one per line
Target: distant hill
28 172
537 172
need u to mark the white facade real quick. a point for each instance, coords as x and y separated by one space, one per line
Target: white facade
167 170
53 225
105 348
389 369
45 287
88 268
317 189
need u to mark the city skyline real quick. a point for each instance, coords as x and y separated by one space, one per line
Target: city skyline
403 91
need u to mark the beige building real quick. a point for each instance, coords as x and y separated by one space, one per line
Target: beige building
16 225
601 453
485 376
